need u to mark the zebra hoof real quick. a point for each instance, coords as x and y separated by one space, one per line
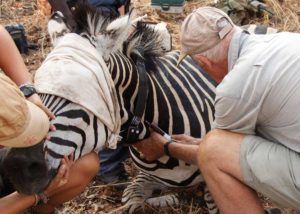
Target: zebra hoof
133 205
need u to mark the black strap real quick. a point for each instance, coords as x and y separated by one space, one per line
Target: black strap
133 131
143 88
166 148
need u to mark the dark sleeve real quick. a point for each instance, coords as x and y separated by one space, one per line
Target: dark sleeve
116 3
122 2
126 4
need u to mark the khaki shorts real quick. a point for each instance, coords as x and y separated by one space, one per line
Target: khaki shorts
272 169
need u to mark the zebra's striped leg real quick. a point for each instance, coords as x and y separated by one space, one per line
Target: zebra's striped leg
141 191
209 201
137 192
170 200
173 199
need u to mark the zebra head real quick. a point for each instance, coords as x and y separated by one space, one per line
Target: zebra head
27 166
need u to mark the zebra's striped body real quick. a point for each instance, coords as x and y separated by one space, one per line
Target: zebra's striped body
77 130
180 101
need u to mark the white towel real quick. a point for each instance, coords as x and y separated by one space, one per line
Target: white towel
75 71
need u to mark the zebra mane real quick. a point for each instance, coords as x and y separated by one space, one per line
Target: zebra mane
145 41
104 32
89 20
110 35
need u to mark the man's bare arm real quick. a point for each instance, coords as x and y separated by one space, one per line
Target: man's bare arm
184 148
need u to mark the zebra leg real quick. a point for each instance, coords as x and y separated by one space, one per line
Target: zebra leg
141 190
137 192
170 200
209 201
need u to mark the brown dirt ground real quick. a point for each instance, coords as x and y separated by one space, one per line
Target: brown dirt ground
100 198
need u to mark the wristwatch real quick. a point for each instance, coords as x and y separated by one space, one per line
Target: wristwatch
27 90
166 148
43 197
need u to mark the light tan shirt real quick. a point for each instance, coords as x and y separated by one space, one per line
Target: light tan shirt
261 93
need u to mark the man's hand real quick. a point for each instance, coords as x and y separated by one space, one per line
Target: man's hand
152 147
62 176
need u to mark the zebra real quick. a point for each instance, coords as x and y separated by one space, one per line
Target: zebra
171 105
179 100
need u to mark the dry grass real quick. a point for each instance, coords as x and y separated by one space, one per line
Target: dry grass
99 198
286 15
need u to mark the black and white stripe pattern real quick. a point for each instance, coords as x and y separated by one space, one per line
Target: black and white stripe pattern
77 130
180 101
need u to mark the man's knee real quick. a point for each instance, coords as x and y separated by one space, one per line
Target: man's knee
211 146
218 145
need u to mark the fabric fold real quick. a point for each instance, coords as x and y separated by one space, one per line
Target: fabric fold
76 71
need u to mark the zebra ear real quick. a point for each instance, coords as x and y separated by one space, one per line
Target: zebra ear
57 27
112 39
165 35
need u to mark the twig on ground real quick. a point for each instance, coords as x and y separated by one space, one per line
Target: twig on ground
110 185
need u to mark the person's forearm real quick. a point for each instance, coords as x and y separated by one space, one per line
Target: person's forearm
121 10
11 61
16 203
184 152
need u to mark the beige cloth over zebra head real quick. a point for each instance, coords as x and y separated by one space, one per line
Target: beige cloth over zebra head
75 71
